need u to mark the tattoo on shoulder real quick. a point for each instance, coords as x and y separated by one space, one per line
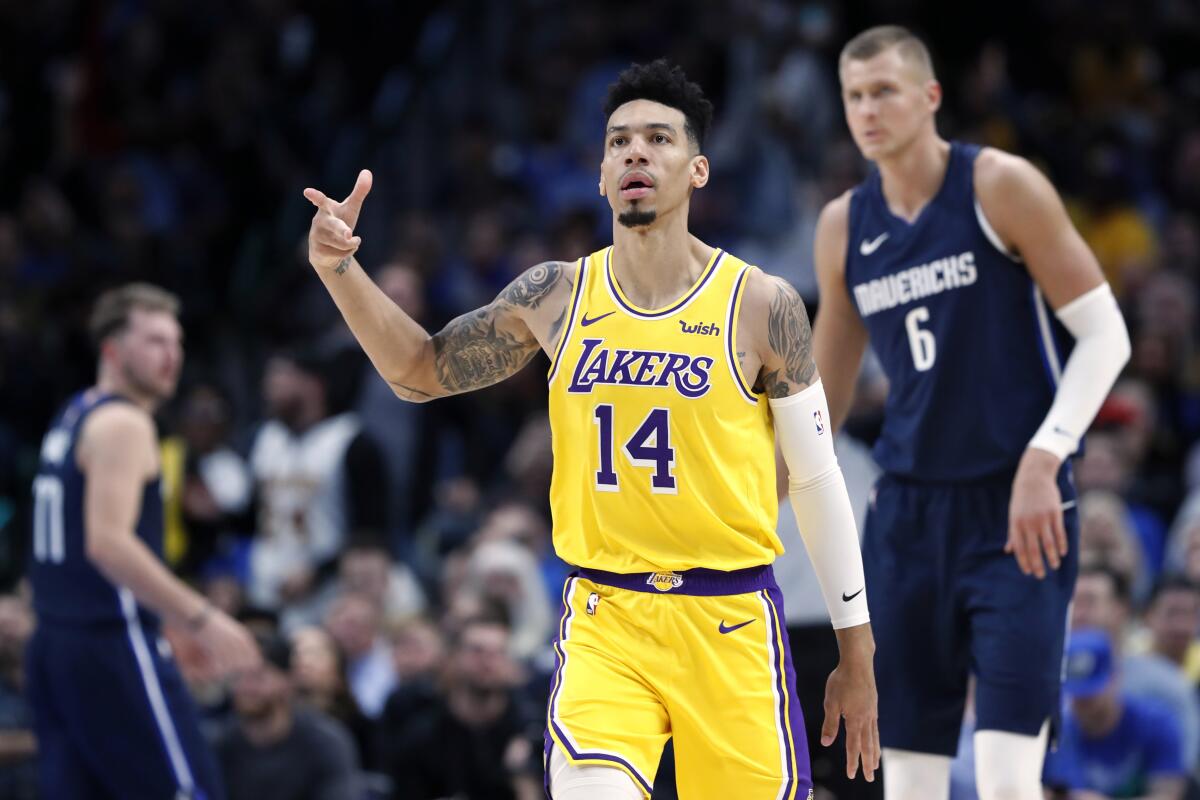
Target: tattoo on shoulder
479 348
532 286
790 337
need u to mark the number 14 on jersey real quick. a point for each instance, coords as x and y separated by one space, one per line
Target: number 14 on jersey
648 447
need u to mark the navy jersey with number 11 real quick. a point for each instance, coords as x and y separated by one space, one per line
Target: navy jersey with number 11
970 347
67 587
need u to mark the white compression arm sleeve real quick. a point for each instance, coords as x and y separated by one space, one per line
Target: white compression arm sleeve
818 494
1101 350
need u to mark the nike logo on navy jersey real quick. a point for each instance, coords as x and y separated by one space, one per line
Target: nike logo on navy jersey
868 247
846 598
731 628
585 321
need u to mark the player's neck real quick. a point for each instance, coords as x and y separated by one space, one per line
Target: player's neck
657 264
110 383
912 177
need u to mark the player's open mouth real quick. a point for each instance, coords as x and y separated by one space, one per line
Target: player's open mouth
636 185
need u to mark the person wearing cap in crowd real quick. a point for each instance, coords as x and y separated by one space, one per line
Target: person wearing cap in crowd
278 749
1112 745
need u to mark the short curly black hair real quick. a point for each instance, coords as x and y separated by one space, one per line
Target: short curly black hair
666 83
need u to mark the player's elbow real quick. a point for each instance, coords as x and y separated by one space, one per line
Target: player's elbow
1122 347
100 548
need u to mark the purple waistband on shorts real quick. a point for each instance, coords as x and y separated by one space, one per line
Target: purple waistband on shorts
700 582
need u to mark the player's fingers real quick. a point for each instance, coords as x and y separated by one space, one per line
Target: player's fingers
876 750
854 746
1033 550
1028 547
318 199
1049 544
1015 546
1060 532
829 728
330 229
362 187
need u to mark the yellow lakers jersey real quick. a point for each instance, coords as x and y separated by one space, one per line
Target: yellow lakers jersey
663 455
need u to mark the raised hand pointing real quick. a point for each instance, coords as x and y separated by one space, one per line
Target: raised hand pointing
331 237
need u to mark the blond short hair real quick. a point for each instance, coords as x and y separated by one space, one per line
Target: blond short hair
874 41
111 313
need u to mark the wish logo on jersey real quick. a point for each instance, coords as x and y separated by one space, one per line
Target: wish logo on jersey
688 374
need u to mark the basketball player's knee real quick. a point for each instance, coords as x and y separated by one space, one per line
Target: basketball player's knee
578 782
915 776
1008 766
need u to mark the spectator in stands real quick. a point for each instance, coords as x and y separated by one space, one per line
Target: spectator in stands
417 650
505 574
210 485
1112 743
402 429
319 677
18 748
280 750
355 623
1106 536
1173 619
473 738
364 567
1101 601
319 478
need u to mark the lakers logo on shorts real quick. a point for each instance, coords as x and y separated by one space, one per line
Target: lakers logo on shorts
665 581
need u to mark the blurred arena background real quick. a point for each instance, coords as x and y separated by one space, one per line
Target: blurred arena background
170 141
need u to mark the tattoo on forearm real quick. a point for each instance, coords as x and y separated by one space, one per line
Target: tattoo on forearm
474 351
790 336
344 265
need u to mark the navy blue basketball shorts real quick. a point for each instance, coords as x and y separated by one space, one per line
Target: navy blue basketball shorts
947 601
113 717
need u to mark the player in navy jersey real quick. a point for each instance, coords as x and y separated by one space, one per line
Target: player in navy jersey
961 269
112 716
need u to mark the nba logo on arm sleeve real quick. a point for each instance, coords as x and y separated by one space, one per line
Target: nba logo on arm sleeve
818 422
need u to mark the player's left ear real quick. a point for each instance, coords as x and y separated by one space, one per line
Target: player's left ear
933 95
699 171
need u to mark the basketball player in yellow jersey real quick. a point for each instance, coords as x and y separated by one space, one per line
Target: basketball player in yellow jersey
674 367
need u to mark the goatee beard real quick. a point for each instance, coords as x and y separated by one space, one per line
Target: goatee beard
636 218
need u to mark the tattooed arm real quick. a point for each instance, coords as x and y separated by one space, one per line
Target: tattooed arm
473 351
776 337
477 349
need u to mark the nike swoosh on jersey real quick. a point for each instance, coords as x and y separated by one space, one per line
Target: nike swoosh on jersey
723 628
585 321
868 247
846 598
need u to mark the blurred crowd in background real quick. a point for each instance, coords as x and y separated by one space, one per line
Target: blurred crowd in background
399 555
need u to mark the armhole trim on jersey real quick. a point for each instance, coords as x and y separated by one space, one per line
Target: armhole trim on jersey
1046 343
569 326
991 234
735 307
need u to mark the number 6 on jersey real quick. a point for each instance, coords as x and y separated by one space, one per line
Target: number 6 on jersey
650 446
920 341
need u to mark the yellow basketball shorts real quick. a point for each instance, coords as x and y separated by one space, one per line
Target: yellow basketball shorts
701 656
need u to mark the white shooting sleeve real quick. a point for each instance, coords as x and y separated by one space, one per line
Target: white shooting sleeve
1101 350
823 512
